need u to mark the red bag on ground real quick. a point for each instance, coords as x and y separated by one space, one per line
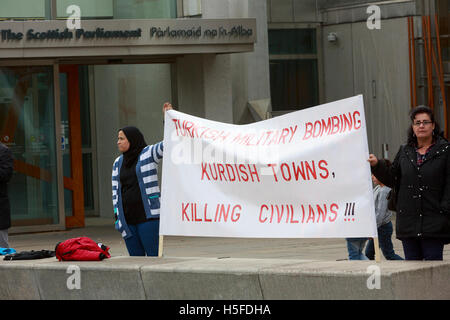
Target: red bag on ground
81 249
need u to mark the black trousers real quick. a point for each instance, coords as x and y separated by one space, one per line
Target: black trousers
423 249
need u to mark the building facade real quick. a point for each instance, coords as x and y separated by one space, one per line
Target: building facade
361 47
64 92
66 89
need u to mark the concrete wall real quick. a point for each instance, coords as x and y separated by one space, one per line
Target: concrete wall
373 63
303 11
218 87
251 78
369 62
139 278
388 10
190 85
204 86
126 95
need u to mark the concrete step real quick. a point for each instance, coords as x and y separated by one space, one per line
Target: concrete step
197 278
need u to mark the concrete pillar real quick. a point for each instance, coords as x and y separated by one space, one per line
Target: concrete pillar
217 88
258 60
126 95
190 85
107 123
204 86
251 80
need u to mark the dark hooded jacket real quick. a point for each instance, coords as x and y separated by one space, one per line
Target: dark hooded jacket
423 192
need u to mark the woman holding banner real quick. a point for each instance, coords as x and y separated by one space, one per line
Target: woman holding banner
420 176
135 191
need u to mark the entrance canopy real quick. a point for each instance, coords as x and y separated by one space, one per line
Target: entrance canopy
124 41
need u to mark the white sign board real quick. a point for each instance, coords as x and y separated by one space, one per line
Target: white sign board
301 175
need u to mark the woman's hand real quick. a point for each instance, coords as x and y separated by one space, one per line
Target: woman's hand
372 160
167 106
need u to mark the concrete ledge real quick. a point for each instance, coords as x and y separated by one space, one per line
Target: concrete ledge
192 278
349 280
208 278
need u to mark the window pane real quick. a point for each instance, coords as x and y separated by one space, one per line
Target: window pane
89 8
23 9
293 84
27 127
292 41
68 195
145 9
120 9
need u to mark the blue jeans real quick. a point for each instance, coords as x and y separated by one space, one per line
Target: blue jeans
145 239
385 239
423 249
355 248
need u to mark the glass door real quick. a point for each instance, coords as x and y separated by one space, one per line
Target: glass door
71 145
27 127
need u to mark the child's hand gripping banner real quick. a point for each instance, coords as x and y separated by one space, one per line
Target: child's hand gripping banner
301 175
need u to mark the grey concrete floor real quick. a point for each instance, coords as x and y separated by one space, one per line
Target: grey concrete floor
102 230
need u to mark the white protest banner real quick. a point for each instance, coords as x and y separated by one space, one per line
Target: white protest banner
301 175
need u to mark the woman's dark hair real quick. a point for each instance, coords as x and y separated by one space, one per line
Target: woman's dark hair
412 139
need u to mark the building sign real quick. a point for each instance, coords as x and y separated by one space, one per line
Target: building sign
300 175
101 33
56 34
235 31
33 35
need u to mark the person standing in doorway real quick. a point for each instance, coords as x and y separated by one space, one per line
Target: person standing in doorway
135 189
6 171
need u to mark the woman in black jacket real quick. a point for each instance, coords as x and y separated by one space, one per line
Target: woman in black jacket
420 174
